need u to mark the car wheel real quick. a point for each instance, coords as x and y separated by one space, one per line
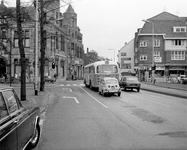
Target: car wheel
138 89
34 141
119 93
124 89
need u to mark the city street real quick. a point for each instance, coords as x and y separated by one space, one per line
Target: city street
76 117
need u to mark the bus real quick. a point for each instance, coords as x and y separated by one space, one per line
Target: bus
95 71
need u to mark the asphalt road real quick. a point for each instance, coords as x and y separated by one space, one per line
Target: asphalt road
79 118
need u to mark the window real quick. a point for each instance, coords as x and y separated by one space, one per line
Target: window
11 101
179 29
178 55
26 39
56 40
157 43
143 57
143 43
156 54
3 108
125 66
62 43
178 42
123 54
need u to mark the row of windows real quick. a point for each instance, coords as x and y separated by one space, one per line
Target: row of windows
144 43
176 42
175 55
179 29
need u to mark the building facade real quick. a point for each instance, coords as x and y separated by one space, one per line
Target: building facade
126 58
168 51
63 44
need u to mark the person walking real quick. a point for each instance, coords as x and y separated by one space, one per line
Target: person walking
5 75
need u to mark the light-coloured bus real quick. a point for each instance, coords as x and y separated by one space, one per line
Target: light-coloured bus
95 71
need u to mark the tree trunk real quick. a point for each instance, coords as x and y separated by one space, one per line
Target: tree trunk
42 40
21 50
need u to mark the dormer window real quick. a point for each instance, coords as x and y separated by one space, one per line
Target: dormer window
179 29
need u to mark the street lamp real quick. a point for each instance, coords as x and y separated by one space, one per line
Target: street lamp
153 58
114 52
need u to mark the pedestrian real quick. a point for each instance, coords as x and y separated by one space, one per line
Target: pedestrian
5 75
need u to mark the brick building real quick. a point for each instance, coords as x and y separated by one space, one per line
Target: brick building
170 55
63 43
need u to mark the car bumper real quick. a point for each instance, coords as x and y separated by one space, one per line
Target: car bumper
112 91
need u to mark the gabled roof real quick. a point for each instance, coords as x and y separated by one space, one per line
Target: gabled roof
163 24
165 16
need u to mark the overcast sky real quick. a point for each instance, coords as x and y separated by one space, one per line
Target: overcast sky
108 24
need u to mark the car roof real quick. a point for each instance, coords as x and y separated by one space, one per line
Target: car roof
2 87
108 78
128 76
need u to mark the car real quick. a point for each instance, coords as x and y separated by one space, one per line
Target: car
49 79
109 86
182 79
19 125
130 82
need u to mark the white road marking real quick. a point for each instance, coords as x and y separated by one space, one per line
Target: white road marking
94 98
61 84
66 89
76 100
74 84
68 85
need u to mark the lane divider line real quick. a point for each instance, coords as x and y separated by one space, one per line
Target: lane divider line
93 97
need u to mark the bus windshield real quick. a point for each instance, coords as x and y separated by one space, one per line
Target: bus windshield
107 69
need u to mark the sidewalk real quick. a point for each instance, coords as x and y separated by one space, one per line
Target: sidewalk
173 89
32 99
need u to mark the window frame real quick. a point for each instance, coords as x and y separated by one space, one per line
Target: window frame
145 57
143 43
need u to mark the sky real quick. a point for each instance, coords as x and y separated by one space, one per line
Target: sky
107 25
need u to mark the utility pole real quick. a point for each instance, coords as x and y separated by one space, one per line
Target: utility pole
36 52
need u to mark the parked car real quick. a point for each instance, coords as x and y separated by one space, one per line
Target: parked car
182 79
109 86
19 125
49 79
130 82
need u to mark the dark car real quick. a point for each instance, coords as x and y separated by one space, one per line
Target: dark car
19 126
130 82
49 79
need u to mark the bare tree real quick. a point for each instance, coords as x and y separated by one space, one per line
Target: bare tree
21 50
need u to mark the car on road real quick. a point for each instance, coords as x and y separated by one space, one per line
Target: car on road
49 79
183 79
109 86
19 125
129 82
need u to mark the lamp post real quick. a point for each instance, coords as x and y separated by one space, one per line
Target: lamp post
153 58
114 53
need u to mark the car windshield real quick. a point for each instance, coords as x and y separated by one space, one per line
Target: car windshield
111 81
107 69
